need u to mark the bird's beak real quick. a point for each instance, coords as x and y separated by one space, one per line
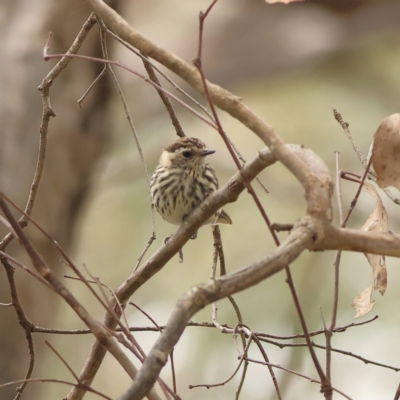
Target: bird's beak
206 152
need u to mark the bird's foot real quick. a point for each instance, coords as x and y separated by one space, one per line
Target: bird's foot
180 253
165 241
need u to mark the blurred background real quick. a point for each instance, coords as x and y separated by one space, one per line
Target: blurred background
292 64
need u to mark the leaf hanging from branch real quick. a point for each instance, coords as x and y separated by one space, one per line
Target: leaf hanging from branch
362 302
376 222
386 152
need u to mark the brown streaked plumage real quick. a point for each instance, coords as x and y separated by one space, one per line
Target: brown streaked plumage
182 180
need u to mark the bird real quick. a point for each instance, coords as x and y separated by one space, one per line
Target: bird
182 180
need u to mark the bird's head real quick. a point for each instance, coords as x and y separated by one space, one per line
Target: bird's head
186 152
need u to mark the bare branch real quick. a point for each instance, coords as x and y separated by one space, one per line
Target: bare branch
133 129
385 243
23 321
220 97
98 330
201 295
164 98
48 112
298 374
346 130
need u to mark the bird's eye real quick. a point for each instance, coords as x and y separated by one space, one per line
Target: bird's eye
187 154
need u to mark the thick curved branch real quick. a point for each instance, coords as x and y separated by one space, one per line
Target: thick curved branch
228 193
385 243
305 166
210 206
48 113
223 99
98 330
215 289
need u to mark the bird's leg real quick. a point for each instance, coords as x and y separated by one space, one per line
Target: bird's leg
180 253
165 241
194 236
180 256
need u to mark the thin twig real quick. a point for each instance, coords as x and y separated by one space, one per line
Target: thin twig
135 349
221 256
357 195
164 98
63 361
40 329
130 120
171 357
62 252
165 76
319 332
202 325
261 336
160 330
326 386
147 315
347 353
98 329
202 18
219 253
23 321
83 97
242 379
329 330
345 127
214 307
149 243
69 262
197 63
210 385
298 374
339 188
364 161
40 380
48 112
271 370
25 268
118 64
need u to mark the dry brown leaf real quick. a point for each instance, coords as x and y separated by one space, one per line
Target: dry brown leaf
362 303
376 222
386 152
